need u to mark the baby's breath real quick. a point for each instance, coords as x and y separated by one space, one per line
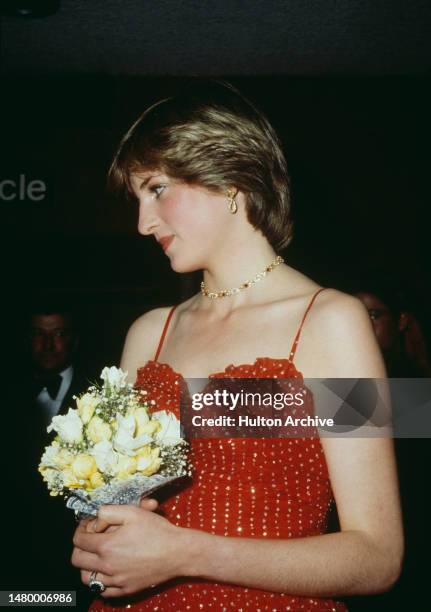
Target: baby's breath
112 439
174 460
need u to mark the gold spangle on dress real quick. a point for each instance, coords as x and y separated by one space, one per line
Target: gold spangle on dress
262 488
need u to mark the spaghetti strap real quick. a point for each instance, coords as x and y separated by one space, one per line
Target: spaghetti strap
298 333
165 329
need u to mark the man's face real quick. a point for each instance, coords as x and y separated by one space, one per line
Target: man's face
385 323
52 342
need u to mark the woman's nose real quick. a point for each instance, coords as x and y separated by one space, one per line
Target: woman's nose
148 220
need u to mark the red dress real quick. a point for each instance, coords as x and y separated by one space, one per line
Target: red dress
270 488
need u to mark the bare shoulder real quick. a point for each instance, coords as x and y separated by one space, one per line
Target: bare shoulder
147 323
335 308
339 337
142 340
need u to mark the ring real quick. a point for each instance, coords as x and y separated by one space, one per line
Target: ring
96 586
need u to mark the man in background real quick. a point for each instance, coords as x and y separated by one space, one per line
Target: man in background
56 377
47 374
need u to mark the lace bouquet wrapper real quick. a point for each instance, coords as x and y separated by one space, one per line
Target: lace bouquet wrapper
115 447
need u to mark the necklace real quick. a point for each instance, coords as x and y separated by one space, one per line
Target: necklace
213 295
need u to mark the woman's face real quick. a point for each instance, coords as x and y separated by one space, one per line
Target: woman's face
187 221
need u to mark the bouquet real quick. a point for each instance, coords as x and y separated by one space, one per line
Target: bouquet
113 448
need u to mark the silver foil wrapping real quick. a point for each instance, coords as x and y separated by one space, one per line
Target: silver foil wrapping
128 491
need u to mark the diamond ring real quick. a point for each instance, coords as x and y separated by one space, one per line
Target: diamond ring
96 586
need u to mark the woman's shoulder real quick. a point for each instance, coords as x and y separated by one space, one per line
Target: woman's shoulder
340 333
323 305
149 321
150 324
142 339
336 314
333 306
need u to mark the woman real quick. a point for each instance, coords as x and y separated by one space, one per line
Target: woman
210 178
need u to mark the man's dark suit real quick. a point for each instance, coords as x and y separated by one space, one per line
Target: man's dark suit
78 385
41 527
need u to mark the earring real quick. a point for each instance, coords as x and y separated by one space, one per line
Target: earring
233 206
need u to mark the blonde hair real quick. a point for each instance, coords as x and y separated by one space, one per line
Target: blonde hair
213 137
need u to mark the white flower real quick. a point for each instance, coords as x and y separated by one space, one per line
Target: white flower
143 423
170 432
141 416
49 457
68 426
87 404
125 467
149 461
98 430
124 441
105 456
50 476
114 377
83 466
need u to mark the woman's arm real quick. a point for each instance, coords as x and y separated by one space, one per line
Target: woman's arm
142 341
364 557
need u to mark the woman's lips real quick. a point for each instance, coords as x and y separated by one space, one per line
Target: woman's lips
165 242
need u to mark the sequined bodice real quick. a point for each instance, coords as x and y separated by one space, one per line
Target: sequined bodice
241 487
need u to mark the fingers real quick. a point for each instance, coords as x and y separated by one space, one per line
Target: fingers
104 519
86 561
117 515
100 525
149 504
108 529
89 542
111 592
113 589
84 526
108 516
90 526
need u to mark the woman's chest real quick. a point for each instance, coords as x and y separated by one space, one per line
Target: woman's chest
202 349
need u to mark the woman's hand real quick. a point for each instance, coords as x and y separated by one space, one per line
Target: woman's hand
98 525
137 549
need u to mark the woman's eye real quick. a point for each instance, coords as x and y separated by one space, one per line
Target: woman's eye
157 190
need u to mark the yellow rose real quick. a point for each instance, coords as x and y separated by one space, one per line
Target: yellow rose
48 474
141 416
148 461
83 466
96 480
125 467
70 480
149 428
63 459
98 430
86 406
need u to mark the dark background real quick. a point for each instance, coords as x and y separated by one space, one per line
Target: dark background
358 153
347 86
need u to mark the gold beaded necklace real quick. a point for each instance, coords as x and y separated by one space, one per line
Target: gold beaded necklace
213 295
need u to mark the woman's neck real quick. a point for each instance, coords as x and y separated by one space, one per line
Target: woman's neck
231 273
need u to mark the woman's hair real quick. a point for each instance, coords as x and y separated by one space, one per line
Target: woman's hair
213 137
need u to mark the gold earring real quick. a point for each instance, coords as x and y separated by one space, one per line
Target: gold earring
233 206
